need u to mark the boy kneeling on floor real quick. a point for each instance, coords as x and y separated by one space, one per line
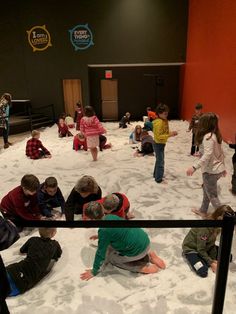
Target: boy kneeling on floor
126 248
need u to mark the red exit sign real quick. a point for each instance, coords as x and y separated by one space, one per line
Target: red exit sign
108 74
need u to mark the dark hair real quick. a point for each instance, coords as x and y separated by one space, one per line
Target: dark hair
198 106
148 108
208 123
161 108
30 182
51 182
79 104
89 111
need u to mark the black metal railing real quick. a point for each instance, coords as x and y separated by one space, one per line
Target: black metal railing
46 110
227 225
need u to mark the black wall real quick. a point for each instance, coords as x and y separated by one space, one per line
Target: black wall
139 87
124 31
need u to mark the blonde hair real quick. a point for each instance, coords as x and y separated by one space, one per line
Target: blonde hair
47 232
35 133
86 184
220 212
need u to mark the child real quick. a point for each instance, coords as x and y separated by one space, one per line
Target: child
63 130
193 126
4 288
115 204
135 136
151 114
126 248
211 161
21 202
199 244
5 103
161 135
91 127
79 113
50 196
102 143
35 149
69 121
79 142
41 254
124 120
146 144
233 181
85 190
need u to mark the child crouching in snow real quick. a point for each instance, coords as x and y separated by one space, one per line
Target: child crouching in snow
115 204
126 248
199 247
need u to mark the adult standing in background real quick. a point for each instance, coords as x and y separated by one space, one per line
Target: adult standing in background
5 103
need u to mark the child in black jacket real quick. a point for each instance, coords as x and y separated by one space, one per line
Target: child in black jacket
233 181
42 252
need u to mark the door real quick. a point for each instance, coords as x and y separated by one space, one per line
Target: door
109 95
72 94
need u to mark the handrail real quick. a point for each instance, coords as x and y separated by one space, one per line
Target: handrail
227 225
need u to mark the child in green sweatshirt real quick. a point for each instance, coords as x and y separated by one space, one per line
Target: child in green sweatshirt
126 248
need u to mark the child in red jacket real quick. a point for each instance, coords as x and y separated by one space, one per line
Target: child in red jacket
63 130
115 204
35 148
79 142
21 203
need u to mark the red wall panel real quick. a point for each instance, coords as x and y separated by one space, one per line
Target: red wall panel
209 75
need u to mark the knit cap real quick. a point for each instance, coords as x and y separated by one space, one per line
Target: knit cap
94 210
111 202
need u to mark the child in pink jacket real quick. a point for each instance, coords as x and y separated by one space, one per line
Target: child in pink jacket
91 127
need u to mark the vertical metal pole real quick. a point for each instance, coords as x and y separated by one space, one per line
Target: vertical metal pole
223 263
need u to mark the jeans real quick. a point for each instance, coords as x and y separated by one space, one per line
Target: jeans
159 165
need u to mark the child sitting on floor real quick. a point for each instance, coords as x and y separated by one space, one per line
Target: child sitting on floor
42 253
135 136
49 197
199 247
35 149
126 248
146 145
63 130
115 204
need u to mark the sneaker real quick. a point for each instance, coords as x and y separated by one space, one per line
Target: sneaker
9 143
6 145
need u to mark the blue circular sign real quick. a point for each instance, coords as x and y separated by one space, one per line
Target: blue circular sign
81 37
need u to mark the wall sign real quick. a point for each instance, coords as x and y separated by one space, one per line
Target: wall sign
39 38
81 37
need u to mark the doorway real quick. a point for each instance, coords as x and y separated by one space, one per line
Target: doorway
72 94
109 96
